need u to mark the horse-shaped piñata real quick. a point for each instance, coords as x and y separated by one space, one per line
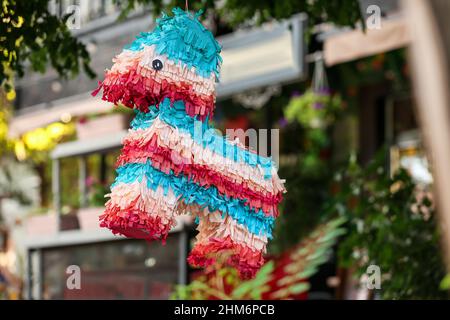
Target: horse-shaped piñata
174 163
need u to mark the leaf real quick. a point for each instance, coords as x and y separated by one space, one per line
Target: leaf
299 288
332 235
307 273
242 289
266 269
445 283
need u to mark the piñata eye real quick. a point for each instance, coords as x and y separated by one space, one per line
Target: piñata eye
157 64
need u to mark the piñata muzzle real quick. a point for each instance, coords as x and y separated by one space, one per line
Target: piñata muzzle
174 163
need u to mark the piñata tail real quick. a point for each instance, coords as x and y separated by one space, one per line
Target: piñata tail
173 162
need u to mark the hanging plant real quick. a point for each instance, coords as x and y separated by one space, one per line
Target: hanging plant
315 112
308 119
4 141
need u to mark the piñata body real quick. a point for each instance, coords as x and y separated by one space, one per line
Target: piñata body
173 162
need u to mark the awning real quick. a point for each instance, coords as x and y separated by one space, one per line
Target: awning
356 44
272 53
45 114
87 146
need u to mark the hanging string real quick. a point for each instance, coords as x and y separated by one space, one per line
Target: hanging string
319 79
187 5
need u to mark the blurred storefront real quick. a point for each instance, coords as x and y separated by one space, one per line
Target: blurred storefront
74 175
79 165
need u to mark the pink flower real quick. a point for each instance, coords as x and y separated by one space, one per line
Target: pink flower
90 181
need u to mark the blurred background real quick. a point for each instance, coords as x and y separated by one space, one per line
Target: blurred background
350 98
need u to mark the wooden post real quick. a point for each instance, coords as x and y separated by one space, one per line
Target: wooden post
429 56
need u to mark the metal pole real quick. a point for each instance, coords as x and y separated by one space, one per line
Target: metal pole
182 255
29 280
82 181
40 274
56 188
389 131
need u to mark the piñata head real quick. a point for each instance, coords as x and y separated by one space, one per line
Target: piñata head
179 60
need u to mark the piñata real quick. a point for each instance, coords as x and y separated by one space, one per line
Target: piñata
173 162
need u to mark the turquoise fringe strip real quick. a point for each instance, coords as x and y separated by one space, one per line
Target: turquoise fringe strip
256 222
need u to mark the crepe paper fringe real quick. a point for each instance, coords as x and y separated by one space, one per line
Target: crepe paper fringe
185 151
129 207
127 211
246 260
135 91
190 192
174 162
215 225
170 152
203 134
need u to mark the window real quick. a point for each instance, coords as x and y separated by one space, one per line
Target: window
123 269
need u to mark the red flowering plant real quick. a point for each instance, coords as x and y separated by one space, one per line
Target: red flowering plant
281 277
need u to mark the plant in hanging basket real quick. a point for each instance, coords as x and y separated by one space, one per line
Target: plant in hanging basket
313 109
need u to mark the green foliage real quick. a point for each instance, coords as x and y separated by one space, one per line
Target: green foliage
445 283
314 112
10 186
392 224
5 143
30 35
97 196
70 195
234 12
301 208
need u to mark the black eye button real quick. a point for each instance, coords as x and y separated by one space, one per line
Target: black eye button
157 64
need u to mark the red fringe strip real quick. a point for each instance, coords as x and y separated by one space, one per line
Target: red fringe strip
133 90
244 259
